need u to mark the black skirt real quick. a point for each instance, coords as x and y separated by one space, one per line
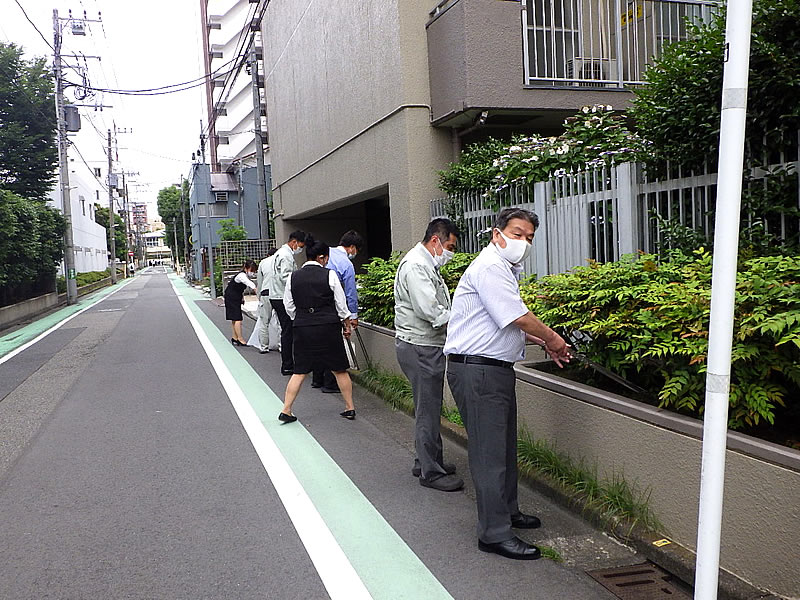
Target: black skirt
319 347
233 308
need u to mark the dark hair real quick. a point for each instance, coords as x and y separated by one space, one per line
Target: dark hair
298 235
271 251
515 213
249 264
352 238
443 228
315 248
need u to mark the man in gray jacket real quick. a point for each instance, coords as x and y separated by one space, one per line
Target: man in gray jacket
422 309
283 266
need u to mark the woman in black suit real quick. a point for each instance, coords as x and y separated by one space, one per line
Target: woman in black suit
315 301
234 298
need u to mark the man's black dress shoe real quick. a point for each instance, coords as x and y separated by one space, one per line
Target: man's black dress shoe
286 418
514 548
287 371
523 521
263 351
327 390
314 384
449 468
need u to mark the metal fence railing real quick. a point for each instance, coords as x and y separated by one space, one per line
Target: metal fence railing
604 213
232 254
602 43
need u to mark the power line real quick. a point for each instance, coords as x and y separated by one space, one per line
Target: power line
34 26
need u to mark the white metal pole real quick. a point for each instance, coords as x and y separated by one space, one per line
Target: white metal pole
723 287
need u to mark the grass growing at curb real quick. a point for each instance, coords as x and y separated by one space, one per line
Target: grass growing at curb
614 500
551 553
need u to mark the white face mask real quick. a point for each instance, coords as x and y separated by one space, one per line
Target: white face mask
515 251
445 257
351 256
297 251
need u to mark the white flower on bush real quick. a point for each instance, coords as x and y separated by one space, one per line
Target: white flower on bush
515 149
585 109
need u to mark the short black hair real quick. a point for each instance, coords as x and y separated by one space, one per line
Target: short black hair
515 213
352 238
249 264
315 248
298 235
271 251
441 227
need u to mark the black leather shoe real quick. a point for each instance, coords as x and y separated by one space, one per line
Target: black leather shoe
445 483
286 418
327 390
236 342
314 384
263 351
449 468
348 414
514 548
523 521
287 371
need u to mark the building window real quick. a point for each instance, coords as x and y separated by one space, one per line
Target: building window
97 172
202 210
83 205
219 209
221 197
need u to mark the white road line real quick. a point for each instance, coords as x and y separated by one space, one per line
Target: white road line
44 334
335 570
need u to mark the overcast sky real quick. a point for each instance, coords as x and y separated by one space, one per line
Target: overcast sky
143 44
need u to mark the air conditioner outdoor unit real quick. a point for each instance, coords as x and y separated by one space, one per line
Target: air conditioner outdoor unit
591 72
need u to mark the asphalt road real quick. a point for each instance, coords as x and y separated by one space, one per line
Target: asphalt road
141 457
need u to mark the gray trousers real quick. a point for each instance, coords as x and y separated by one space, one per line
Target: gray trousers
424 367
487 400
267 313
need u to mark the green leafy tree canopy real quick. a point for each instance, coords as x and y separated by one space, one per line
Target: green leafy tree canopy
169 208
120 243
228 232
28 148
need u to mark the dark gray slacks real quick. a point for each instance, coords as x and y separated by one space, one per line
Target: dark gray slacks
424 366
287 338
486 398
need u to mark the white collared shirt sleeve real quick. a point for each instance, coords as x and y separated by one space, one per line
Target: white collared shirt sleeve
338 295
243 278
500 296
288 300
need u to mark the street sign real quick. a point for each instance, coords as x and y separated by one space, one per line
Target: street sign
130 253
71 274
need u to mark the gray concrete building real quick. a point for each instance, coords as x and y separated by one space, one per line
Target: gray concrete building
367 101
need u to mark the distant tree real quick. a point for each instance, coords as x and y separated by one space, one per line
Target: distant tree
120 243
228 232
28 148
169 207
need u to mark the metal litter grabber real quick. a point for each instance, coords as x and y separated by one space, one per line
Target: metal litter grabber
578 340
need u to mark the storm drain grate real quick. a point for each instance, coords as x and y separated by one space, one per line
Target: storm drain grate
640 582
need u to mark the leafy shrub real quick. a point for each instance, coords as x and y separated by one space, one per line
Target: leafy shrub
82 279
376 286
594 136
649 321
678 110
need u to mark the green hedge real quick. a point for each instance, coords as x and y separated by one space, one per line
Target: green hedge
649 322
82 279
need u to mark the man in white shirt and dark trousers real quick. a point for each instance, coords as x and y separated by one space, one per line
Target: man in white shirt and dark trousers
422 309
265 310
489 325
282 268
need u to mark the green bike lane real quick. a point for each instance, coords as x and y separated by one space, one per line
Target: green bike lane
23 337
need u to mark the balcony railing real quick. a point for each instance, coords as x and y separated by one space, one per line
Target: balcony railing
602 43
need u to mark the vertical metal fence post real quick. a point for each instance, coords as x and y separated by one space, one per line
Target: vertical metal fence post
627 219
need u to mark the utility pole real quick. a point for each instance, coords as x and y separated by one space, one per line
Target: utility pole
175 237
63 166
263 216
185 232
127 219
112 243
212 286
723 292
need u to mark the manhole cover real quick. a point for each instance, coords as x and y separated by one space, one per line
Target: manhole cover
640 582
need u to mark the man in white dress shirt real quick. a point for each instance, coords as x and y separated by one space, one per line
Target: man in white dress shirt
489 325
421 312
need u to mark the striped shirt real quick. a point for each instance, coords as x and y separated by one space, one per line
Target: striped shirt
485 304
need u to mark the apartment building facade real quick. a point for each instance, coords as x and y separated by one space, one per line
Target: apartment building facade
367 101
